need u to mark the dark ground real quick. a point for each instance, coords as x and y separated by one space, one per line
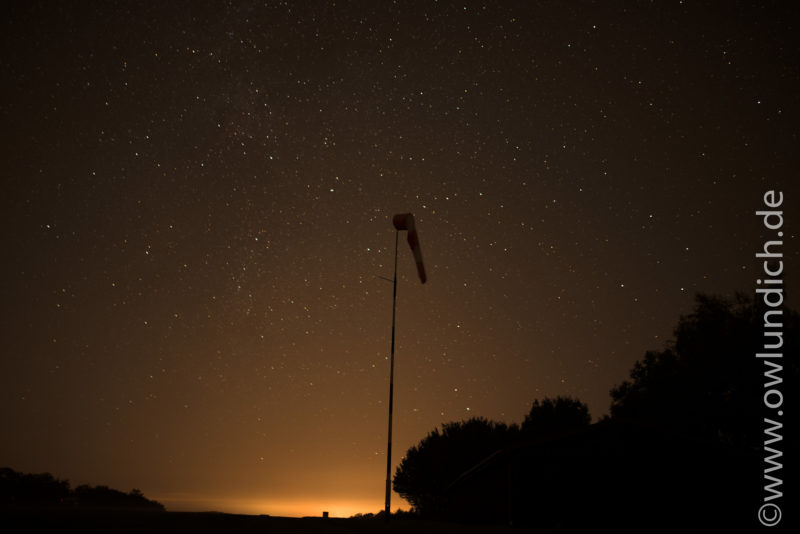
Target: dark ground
179 522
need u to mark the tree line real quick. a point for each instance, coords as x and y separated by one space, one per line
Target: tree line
43 490
683 438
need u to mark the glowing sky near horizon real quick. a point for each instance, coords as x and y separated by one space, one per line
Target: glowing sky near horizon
197 202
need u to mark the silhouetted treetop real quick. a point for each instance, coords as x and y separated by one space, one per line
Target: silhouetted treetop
552 416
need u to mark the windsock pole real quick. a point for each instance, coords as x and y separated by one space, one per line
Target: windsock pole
402 221
387 510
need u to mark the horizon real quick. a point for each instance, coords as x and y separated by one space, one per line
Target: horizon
272 506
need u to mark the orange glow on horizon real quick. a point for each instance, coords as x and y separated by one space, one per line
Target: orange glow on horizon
280 507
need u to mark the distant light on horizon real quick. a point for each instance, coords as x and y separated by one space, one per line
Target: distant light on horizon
278 507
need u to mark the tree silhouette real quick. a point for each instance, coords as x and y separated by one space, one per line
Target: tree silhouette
429 467
708 385
684 446
708 382
552 416
37 491
32 490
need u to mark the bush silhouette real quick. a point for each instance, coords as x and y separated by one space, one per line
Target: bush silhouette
429 467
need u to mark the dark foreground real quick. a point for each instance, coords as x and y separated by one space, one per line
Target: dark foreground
217 523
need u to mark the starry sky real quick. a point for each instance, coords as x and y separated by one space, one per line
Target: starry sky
197 203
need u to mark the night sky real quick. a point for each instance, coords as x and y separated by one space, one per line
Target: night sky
197 203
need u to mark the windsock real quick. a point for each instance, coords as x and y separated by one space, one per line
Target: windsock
405 221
